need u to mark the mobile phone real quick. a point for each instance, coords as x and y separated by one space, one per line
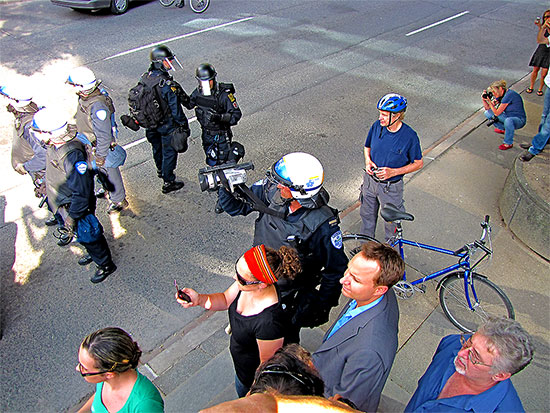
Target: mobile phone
181 295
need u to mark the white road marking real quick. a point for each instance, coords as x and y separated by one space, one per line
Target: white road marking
437 23
137 49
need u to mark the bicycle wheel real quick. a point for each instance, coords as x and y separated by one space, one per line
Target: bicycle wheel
199 6
491 301
352 243
166 3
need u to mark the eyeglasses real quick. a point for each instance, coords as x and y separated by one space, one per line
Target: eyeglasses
80 367
242 281
472 354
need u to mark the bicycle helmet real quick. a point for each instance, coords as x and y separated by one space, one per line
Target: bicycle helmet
83 80
19 96
301 172
393 103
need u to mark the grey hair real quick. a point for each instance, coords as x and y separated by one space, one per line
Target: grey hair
514 345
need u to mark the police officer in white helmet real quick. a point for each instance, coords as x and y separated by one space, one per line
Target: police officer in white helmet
297 215
70 187
95 119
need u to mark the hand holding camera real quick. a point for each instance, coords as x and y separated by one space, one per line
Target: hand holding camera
184 298
488 95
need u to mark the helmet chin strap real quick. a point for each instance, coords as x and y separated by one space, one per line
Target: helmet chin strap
391 123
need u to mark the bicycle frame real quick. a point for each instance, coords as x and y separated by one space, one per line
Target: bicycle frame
463 263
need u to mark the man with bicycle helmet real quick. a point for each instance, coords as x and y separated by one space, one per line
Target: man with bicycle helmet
392 149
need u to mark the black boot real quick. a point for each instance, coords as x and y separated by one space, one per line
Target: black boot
218 209
85 260
103 272
171 186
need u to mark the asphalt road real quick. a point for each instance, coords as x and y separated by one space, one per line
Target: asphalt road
307 74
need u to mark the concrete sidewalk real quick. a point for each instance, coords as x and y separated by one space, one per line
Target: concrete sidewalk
461 182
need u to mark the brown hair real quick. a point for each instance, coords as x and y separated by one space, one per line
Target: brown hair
112 349
391 264
284 262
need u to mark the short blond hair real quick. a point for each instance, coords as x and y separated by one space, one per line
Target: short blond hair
499 83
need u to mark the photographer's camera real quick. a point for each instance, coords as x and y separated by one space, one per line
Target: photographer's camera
487 95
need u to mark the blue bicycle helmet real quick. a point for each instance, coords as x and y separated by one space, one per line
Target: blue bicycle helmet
393 103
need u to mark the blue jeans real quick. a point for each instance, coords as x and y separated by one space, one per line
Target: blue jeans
241 389
508 123
541 138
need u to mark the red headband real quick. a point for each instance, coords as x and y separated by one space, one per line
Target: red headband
256 259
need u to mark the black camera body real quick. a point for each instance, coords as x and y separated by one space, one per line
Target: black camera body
229 175
487 95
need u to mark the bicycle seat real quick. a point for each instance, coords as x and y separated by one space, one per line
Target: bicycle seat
390 213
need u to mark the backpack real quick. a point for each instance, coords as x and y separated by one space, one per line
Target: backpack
146 106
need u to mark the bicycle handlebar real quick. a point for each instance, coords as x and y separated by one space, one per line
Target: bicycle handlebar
478 243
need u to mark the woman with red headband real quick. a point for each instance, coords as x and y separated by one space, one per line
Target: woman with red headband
258 322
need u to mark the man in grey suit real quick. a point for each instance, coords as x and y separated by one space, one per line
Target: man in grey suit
357 352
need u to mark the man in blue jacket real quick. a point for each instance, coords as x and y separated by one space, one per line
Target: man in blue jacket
472 373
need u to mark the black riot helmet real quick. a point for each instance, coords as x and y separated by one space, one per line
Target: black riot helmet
204 74
162 58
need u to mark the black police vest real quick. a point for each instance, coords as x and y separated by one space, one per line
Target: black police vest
212 102
274 232
57 189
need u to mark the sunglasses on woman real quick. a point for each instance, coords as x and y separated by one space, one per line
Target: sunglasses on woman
242 281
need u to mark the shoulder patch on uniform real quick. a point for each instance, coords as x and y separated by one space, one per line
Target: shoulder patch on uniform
336 239
81 167
101 114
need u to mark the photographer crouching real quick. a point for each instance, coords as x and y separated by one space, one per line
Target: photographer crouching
504 108
293 211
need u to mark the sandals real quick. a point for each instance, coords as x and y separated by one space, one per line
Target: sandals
529 90
540 93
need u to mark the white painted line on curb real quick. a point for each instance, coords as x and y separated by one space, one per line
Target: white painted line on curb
137 49
437 23
150 370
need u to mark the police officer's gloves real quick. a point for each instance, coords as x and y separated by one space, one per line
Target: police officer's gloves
213 116
225 118
129 122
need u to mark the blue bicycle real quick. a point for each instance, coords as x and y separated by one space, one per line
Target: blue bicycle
466 297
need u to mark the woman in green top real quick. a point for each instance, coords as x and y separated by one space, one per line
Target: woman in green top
108 358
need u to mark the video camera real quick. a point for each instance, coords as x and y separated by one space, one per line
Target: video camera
227 175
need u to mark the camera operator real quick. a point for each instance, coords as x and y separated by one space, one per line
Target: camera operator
293 211
504 108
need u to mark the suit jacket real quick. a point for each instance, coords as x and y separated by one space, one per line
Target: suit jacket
356 360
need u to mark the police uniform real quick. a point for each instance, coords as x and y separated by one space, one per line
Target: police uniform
216 131
95 120
390 150
164 155
69 185
26 150
316 234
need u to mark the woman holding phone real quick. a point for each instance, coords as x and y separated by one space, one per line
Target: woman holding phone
258 321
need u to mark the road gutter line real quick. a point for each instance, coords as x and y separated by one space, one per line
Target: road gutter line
437 23
137 49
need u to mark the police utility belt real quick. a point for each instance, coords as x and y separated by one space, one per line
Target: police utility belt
381 181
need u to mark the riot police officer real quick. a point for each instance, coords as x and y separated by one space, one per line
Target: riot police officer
298 215
95 119
28 154
217 110
172 97
69 184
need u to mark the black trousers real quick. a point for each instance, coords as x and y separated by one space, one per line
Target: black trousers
99 251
